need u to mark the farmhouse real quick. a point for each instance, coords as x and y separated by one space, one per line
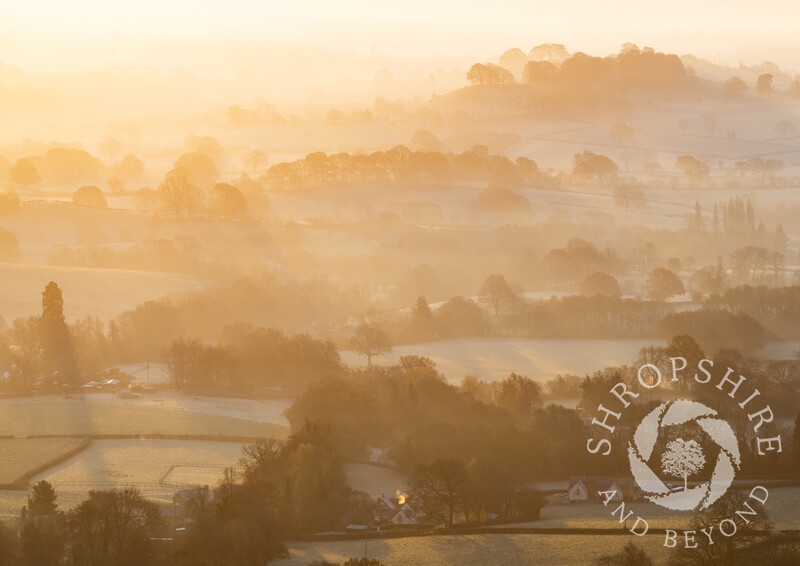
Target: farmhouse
392 511
586 488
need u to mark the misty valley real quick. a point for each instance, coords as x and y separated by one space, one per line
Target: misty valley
320 309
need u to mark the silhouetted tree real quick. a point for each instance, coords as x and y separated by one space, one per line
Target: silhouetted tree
23 174
440 486
114 527
227 201
178 195
90 197
662 284
692 168
764 84
496 293
59 360
200 169
735 85
370 340
599 283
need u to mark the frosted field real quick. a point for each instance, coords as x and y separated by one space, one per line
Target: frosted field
162 414
540 550
17 456
268 411
781 507
476 550
123 462
493 359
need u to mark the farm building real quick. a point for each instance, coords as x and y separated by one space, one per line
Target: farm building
389 510
587 488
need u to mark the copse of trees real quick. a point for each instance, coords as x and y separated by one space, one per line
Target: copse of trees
715 329
251 362
694 169
576 261
758 172
488 74
173 255
599 283
580 79
200 169
599 316
90 197
776 308
662 284
592 166
503 201
24 174
735 85
227 202
68 165
400 164
410 409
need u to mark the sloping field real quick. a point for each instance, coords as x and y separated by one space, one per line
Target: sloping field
476 550
494 358
268 411
52 416
143 461
18 456
103 293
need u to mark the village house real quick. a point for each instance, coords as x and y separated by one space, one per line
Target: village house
587 488
401 511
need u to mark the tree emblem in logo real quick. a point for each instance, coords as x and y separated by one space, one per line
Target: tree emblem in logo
683 458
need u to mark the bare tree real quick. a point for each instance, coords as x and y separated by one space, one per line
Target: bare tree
371 340
440 486
177 194
496 293
255 161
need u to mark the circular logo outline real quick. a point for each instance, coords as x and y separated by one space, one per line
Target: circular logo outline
679 412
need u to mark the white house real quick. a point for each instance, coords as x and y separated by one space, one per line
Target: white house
587 488
402 519
578 491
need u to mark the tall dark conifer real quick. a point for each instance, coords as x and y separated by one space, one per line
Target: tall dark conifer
59 358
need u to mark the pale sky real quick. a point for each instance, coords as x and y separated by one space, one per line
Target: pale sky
730 30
